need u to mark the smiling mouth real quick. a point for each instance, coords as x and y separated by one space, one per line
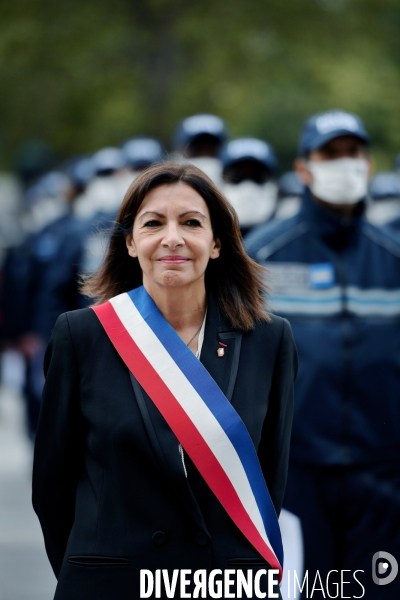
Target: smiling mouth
174 260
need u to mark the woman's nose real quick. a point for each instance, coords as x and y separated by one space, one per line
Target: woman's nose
172 236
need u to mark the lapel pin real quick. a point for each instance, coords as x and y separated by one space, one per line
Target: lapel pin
221 350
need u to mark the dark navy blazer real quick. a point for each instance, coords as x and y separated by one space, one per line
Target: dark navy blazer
109 485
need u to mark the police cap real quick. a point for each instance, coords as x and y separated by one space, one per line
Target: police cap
325 126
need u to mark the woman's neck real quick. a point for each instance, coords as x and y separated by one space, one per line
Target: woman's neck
183 307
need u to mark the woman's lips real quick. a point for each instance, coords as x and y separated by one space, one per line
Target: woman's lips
174 260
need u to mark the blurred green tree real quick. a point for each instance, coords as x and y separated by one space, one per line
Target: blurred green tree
89 73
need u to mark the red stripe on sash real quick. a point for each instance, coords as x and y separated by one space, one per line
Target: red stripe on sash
184 429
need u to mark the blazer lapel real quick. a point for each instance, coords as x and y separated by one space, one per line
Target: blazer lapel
223 369
166 449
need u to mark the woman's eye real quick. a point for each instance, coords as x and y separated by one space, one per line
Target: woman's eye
193 223
152 223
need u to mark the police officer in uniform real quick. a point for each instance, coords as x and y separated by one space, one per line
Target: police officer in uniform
336 278
118 168
384 195
142 151
248 168
290 192
198 139
40 281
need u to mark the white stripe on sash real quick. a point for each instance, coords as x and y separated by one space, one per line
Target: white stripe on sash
192 404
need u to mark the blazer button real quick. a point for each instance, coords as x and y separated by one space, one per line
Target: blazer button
159 538
201 538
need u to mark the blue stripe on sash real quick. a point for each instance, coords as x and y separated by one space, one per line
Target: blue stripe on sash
220 407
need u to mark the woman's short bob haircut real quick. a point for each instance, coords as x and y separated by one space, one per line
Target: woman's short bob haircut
236 281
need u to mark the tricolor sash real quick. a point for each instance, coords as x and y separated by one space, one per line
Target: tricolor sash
199 414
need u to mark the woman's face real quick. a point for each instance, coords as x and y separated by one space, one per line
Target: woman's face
172 237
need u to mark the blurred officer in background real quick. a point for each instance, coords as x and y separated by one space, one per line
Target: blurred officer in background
117 170
80 171
33 159
107 186
384 207
248 168
21 231
141 152
337 279
97 207
46 201
290 193
59 286
37 282
10 210
198 139
384 195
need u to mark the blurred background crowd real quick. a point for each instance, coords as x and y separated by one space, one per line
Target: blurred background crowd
56 218
94 92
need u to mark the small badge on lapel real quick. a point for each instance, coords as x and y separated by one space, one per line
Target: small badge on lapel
221 349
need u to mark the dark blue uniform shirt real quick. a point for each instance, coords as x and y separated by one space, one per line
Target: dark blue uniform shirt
338 283
57 251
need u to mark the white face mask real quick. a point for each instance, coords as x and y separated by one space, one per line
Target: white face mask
340 181
210 166
254 203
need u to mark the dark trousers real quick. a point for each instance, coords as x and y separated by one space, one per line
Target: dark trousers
347 515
